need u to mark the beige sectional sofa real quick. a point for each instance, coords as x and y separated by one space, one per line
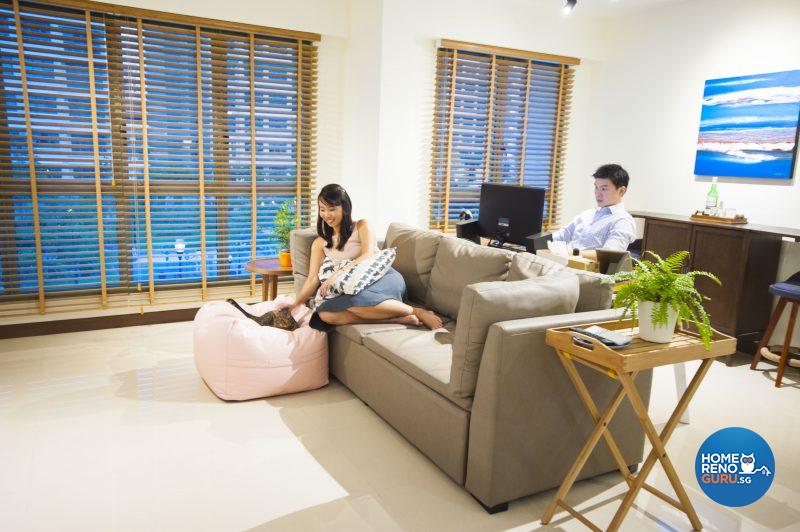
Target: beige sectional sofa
484 397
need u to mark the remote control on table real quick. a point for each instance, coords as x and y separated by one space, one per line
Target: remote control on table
609 338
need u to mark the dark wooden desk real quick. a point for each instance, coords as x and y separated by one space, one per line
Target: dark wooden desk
745 258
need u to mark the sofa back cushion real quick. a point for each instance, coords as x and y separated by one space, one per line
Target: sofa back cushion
594 293
460 263
416 252
483 304
528 266
300 241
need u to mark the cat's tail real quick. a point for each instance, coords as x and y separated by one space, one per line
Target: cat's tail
235 304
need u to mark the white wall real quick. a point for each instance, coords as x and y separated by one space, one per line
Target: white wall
637 91
328 17
636 98
376 80
360 109
410 31
646 102
647 99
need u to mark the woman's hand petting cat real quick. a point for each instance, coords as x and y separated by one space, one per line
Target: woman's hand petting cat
284 304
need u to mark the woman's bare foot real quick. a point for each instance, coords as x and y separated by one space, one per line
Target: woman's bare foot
428 318
407 320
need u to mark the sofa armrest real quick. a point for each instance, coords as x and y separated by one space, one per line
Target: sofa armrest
534 243
541 324
469 230
528 423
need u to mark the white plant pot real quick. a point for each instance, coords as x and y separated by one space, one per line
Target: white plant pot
659 334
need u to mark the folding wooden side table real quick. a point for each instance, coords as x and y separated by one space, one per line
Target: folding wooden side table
623 365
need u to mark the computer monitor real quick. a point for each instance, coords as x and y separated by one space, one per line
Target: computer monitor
516 211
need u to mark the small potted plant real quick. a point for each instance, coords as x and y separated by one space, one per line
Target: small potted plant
659 294
285 221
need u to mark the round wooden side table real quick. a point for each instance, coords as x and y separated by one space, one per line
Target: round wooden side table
269 269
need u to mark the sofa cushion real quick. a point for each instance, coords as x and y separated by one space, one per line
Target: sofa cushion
594 293
483 304
422 354
358 332
528 265
460 263
300 241
416 252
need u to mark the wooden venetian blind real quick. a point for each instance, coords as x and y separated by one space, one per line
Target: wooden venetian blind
142 151
500 116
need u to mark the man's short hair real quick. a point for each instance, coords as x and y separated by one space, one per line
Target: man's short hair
614 173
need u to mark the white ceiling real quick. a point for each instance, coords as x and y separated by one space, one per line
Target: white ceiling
603 8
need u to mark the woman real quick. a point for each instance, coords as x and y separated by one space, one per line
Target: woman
339 239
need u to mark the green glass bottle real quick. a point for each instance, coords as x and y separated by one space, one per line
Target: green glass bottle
712 198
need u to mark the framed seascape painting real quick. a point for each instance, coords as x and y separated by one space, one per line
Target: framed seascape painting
748 127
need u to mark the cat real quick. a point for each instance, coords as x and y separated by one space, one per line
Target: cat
748 463
282 318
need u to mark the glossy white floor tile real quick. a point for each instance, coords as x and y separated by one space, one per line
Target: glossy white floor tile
114 430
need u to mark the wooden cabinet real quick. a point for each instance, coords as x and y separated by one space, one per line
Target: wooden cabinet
665 238
721 252
744 257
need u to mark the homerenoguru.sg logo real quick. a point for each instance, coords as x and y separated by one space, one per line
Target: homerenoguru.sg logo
735 466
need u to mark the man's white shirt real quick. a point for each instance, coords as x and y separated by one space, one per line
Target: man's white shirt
605 227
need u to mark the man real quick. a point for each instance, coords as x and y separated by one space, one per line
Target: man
608 226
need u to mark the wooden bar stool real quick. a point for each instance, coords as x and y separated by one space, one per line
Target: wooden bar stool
788 292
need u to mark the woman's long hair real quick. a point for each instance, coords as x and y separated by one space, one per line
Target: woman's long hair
335 195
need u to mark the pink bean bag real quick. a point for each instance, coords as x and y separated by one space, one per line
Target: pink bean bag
241 360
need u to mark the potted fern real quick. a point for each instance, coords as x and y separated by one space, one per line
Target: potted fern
659 294
285 221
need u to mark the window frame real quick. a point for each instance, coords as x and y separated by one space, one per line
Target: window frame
489 76
304 151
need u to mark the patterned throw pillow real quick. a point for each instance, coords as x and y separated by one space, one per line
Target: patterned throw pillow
366 272
328 268
356 278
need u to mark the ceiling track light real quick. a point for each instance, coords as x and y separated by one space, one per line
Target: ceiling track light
569 6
